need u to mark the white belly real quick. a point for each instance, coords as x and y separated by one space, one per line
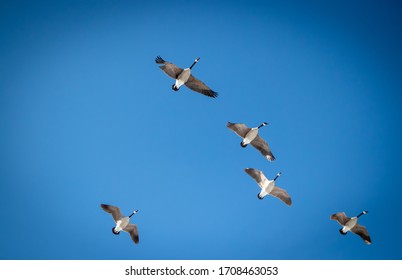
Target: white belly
266 187
183 77
250 136
349 225
121 224
270 186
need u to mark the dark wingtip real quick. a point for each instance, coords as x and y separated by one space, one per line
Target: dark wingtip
159 60
211 93
228 124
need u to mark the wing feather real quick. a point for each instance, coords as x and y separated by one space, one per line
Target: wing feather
257 175
263 147
169 68
133 231
198 86
114 211
362 232
340 217
281 194
239 128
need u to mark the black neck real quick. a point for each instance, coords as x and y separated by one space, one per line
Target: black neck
261 125
360 214
277 176
195 61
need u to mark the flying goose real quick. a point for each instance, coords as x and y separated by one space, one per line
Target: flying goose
184 77
350 224
122 223
268 186
250 136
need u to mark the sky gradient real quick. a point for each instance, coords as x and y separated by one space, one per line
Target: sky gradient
87 117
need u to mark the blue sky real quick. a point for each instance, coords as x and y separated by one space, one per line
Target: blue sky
87 117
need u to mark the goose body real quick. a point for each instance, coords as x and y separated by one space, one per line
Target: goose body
251 136
350 224
122 222
268 187
184 77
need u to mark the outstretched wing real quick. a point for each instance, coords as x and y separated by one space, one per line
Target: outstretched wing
133 231
169 68
198 86
362 232
239 128
257 175
340 217
113 210
263 147
281 194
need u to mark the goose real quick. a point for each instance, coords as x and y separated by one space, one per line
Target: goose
251 136
122 223
184 77
268 186
350 224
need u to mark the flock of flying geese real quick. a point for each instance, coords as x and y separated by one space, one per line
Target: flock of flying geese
249 136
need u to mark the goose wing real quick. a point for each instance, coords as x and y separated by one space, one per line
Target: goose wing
263 147
239 128
198 86
281 194
340 217
258 176
169 68
362 232
133 231
114 211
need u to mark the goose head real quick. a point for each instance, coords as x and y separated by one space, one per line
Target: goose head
134 212
174 87
263 124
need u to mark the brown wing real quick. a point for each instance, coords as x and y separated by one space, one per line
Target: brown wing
169 68
362 232
263 147
340 217
256 174
282 195
239 128
133 231
198 86
115 211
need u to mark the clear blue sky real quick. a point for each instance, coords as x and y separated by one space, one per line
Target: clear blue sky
87 117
